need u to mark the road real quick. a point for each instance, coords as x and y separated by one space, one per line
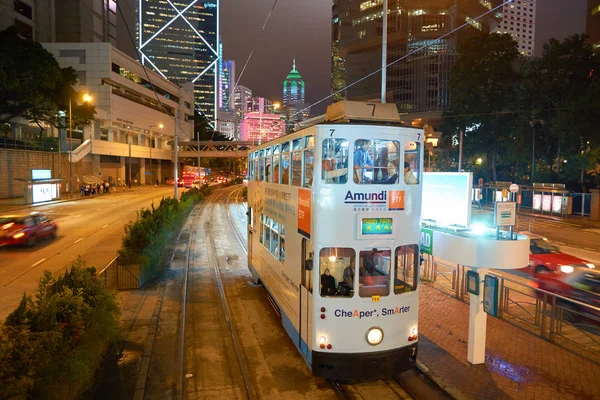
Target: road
91 228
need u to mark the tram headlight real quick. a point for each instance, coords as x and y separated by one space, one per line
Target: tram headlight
374 336
322 339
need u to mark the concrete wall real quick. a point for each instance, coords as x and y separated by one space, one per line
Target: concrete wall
19 163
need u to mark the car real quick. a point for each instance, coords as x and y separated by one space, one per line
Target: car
545 256
581 284
26 229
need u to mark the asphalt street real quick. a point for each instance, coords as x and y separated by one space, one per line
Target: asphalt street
90 227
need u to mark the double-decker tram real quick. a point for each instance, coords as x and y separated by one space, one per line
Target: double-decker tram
334 231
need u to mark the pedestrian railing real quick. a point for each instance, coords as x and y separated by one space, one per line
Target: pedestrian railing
122 277
571 323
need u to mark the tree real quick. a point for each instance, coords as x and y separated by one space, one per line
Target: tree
33 86
483 88
27 71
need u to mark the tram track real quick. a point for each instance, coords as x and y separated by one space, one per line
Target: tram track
412 384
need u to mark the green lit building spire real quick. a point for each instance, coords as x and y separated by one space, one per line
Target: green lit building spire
294 97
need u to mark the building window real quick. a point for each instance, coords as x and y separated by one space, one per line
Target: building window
23 9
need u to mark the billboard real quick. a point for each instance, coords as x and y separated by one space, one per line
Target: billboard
447 198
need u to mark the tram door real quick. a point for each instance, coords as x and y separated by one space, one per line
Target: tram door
306 290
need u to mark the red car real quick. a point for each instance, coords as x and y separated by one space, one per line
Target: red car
581 284
25 229
544 256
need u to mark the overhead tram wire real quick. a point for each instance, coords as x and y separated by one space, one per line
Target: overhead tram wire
254 48
405 56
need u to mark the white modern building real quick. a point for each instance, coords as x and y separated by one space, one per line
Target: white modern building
518 20
126 134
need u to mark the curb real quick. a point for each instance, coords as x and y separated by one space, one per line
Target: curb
445 386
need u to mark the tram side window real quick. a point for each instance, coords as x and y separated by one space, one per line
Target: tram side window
374 269
285 168
407 268
275 239
262 228
412 168
334 167
309 157
261 169
267 242
337 269
281 243
376 161
276 172
297 168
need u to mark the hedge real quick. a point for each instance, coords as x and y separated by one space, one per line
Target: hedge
146 238
52 345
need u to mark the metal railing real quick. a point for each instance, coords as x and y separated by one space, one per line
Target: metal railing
13 144
569 322
121 277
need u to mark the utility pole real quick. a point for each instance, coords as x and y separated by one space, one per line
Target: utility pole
175 166
460 147
129 137
199 176
70 150
532 150
384 52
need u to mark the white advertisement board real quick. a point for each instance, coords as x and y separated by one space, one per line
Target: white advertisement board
42 192
447 198
506 213
41 174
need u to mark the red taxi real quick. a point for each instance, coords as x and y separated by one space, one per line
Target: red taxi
581 284
25 229
544 256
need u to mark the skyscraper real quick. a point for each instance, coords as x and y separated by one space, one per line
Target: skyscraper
592 23
294 98
518 20
180 42
422 29
226 84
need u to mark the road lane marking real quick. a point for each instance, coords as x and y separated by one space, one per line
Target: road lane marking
105 226
78 240
77 216
39 262
98 209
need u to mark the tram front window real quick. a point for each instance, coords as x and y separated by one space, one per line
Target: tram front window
411 163
376 161
335 161
374 272
337 269
407 267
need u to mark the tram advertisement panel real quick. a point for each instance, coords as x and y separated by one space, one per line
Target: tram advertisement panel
304 212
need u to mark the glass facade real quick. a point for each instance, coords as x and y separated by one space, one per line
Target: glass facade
418 83
180 41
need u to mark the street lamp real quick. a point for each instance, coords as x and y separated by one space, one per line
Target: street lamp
159 126
86 99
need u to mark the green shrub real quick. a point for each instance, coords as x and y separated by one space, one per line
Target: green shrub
53 343
146 238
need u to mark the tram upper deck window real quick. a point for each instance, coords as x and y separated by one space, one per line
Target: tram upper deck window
407 268
297 162
309 141
374 272
337 266
261 169
297 144
309 157
376 161
268 166
285 147
276 169
335 161
412 168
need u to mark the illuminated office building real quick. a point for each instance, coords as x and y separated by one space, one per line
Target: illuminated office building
420 82
226 84
258 127
180 42
518 20
294 104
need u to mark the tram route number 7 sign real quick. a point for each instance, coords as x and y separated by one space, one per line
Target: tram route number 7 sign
427 241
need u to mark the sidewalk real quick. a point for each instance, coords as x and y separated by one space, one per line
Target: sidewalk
18 203
518 364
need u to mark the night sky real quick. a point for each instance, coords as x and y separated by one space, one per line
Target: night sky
303 28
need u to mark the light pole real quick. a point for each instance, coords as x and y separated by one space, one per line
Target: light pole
86 99
159 126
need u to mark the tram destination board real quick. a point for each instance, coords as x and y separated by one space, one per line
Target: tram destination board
377 226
